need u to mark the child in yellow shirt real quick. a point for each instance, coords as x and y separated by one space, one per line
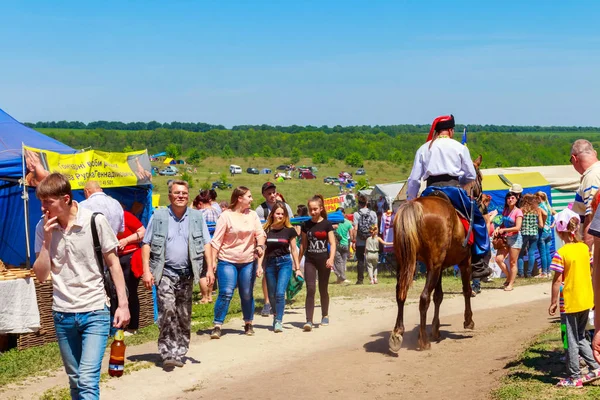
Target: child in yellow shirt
571 265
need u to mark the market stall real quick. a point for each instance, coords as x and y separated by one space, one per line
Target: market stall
124 177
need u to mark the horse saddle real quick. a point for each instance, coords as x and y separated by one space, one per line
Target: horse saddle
463 219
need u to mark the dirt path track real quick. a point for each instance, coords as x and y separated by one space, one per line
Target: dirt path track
348 359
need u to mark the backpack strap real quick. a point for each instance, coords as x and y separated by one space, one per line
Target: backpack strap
97 247
265 209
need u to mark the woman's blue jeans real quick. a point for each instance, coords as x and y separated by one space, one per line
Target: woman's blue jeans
529 244
278 271
544 242
82 341
230 274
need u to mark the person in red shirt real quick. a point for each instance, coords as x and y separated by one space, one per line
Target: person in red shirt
131 262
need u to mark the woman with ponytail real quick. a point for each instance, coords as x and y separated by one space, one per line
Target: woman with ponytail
317 234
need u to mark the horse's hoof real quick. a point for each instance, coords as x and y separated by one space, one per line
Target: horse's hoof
470 325
395 342
425 346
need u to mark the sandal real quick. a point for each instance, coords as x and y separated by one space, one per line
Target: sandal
508 288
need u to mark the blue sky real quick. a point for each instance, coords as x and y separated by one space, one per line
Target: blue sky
302 62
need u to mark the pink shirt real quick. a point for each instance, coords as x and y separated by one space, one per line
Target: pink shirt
235 236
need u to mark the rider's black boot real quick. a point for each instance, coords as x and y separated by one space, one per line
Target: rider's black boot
479 269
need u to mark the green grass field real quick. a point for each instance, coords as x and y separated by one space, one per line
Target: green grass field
296 191
535 374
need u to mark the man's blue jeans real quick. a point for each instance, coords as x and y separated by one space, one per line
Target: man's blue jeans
544 242
228 275
278 272
529 244
82 341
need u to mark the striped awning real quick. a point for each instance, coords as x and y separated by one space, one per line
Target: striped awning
561 199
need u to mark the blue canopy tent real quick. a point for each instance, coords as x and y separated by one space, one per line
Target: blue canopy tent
13 134
19 210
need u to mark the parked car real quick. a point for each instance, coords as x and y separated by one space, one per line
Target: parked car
168 171
283 167
307 174
252 171
235 169
221 185
361 171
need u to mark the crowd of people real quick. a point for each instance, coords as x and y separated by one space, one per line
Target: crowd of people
176 251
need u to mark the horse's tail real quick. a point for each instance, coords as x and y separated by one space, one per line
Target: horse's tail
407 225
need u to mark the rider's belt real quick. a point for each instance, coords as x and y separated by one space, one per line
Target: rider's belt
443 180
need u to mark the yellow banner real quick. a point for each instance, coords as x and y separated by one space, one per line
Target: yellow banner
343 200
108 169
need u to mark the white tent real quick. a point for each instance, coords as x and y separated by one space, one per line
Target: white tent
390 191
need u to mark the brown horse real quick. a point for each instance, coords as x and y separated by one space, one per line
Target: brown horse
428 229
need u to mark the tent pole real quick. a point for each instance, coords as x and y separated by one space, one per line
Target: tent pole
25 197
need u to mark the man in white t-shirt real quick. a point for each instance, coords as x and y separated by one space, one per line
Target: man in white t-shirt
79 307
98 201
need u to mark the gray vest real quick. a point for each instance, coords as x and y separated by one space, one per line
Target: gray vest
196 242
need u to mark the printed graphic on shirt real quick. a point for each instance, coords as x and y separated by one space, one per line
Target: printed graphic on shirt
317 238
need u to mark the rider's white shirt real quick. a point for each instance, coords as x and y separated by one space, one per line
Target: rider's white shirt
446 156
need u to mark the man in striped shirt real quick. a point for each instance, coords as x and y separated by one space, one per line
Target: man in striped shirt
585 161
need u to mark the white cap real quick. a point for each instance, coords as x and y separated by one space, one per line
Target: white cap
563 218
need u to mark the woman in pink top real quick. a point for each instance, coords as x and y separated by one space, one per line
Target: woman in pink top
512 218
239 240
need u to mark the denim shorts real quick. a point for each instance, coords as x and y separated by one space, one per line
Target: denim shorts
515 241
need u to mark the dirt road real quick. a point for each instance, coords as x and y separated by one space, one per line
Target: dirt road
348 359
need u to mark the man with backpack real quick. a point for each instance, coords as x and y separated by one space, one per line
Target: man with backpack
363 220
80 310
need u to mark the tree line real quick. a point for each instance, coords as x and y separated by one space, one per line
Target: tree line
498 149
392 130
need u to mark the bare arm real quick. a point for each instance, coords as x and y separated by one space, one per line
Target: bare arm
516 228
303 245
295 258
555 293
380 240
147 276
122 316
332 246
587 238
135 237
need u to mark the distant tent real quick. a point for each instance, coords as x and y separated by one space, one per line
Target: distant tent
497 186
168 160
390 191
265 171
563 181
179 162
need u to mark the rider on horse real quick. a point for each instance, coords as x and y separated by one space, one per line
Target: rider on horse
446 165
